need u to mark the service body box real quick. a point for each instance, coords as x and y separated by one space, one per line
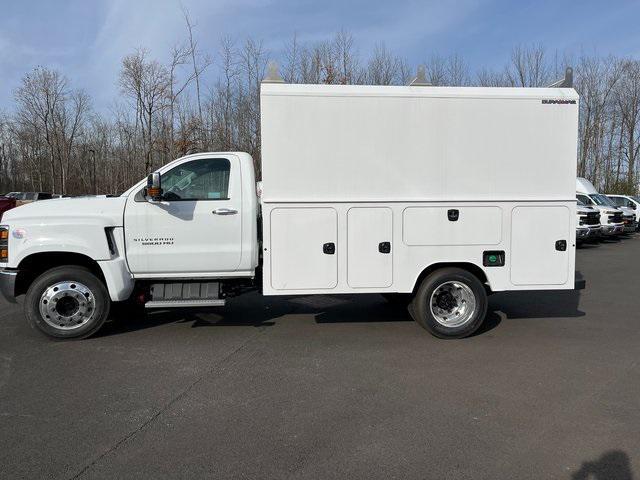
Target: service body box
418 152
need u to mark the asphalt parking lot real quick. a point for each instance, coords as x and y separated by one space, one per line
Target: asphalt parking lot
337 387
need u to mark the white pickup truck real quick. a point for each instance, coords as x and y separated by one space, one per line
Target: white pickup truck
438 196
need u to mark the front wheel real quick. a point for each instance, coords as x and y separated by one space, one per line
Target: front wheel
67 302
450 303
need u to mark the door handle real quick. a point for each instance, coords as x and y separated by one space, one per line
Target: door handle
224 211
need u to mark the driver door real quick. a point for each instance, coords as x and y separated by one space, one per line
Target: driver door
195 229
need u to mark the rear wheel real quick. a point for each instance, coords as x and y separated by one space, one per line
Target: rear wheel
450 303
67 302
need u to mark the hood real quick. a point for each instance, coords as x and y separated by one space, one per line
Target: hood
108 210
585 209
604 208
627 212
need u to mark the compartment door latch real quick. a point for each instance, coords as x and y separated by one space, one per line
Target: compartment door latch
561 245
384 247
329 248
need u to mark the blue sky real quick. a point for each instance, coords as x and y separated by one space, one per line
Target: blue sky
86 39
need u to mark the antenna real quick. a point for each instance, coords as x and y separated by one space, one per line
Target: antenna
566 82
273 76
421 78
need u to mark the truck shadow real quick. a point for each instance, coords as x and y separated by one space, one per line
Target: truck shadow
538 303
253 310
552 304
612 465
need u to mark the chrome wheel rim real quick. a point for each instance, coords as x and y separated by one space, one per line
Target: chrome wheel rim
67 305
452 304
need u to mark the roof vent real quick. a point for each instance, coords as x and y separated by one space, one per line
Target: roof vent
566 82
421 78
273 76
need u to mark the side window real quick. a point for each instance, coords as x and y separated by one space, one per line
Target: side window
206 179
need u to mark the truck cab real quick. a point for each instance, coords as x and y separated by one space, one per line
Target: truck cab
201 226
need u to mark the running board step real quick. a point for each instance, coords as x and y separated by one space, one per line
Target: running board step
185 294
184 303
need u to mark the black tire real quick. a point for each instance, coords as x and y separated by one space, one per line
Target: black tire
81 275
420 306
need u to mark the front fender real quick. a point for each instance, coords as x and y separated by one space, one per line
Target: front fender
89 239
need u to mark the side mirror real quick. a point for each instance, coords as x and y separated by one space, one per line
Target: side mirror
632 205
154 187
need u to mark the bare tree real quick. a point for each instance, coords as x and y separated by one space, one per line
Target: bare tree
382 68
528 67
627 95
170 110
146 83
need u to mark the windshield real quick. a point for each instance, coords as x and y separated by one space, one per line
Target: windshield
618 201
584 200
602 200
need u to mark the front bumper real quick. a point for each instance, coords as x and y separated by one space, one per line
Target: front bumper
583 232
630 227
613 228
8 284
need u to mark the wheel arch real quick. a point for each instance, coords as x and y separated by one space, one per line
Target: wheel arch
36 264
472 268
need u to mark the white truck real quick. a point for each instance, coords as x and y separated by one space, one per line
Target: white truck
588 226
611 217
439 195
630 203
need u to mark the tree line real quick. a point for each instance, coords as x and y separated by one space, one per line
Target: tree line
53 140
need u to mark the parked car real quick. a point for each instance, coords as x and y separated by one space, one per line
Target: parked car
628 201
6 203
588 225
611 217
23 198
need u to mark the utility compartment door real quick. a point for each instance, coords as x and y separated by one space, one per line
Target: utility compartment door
369 248
535 257
452 225
304 251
